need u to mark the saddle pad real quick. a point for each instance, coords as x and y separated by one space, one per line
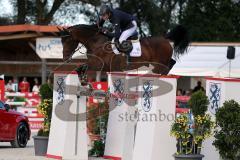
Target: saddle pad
136 51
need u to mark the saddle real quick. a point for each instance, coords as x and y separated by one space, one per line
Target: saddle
133 37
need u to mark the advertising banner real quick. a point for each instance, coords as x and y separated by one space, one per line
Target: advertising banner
51 48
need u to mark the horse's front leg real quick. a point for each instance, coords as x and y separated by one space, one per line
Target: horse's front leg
160 69
82 73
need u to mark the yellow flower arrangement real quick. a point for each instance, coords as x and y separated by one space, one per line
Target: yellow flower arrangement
191 129
45 108
191 133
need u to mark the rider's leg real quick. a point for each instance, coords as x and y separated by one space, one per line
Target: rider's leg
129 32
125 35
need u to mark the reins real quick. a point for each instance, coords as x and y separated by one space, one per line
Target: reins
78 49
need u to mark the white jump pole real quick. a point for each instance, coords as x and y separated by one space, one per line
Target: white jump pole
218 91
68 133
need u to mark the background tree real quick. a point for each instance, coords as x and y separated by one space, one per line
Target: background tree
227 133
5 21
213 20
70 11
155 15
22 12
42 12
207 20
35 11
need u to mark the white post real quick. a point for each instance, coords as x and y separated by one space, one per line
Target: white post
131 134
156 105
44 70
218 91
68 133
98 76
120 131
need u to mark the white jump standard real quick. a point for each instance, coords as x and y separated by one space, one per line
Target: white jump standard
218 91
68 133
145 136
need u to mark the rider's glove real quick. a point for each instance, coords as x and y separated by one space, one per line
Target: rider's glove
104 30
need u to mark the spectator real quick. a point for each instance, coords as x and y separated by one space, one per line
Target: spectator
179 92
2 77
49 81
36 86
198 87
9 87
189 92
24 86
183 93
15 85
35 80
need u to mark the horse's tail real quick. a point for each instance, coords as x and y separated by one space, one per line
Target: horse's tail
180 37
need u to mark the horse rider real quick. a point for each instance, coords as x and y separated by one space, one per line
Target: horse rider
124 24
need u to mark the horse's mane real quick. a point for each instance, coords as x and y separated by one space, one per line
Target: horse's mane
84 28
92 27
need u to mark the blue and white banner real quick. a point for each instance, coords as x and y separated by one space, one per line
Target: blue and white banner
214 96
147 95
118 86
60 89
51 48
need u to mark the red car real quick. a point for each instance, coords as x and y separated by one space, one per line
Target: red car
14 127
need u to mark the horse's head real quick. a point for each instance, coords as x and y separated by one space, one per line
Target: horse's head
68 42
74 35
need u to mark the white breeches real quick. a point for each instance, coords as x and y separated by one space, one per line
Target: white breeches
129 32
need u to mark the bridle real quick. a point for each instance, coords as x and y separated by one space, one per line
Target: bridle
79 47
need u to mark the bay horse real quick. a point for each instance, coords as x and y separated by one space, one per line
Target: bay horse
156 51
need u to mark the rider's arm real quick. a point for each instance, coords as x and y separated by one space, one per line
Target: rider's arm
117 30
100 22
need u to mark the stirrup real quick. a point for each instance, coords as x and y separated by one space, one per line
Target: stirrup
124 47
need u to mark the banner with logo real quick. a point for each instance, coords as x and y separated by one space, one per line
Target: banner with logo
51 48
214 96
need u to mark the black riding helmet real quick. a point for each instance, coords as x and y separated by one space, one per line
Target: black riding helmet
105 9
